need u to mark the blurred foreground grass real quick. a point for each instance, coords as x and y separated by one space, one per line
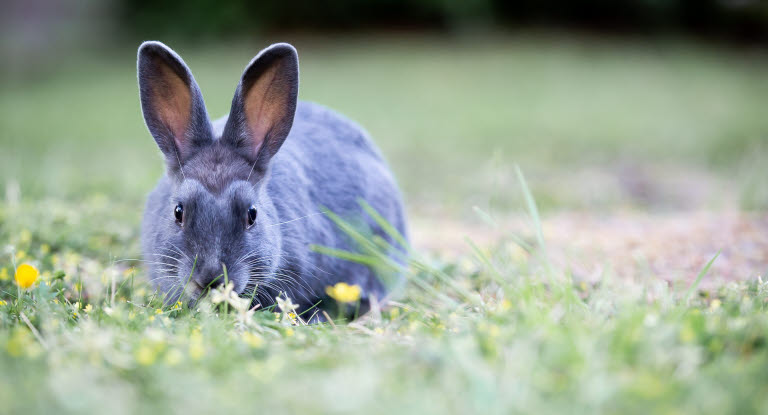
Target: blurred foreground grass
496 330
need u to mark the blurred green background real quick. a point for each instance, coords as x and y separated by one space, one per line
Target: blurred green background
605 105
628 119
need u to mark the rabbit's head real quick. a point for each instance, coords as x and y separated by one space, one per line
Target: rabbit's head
218 214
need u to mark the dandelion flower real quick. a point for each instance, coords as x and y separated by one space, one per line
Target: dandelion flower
26 275
145 356
173 357
343 292
196 347
25 236
21 343
253 340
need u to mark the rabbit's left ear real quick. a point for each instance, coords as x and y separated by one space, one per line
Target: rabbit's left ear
264 105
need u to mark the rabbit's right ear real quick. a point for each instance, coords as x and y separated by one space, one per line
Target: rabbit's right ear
172 104
264 105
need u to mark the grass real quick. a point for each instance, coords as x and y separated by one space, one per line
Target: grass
496 329
495 332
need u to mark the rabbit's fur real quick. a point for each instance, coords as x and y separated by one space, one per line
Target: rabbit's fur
218 170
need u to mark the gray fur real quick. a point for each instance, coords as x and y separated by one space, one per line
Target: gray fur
324 161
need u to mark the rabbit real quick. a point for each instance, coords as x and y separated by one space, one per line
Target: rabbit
248 191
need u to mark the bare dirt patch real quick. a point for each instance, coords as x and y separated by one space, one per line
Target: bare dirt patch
669 246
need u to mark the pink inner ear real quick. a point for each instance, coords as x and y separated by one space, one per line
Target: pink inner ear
173 103
264 106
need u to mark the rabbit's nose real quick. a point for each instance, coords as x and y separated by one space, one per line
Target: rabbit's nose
210 277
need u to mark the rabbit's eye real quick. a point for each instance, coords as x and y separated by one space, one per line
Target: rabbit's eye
252 215
178 212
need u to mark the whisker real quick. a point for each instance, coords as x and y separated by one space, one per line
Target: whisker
168 256
294 220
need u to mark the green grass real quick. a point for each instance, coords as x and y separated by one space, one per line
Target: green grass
497 329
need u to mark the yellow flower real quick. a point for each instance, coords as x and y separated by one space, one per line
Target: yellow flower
173 357
145 356
494 330
25 236
88 308
45 249
21 343
4 274
159 311
3 302
196 350
26 275
253 340
343 292
20 255
687 334
196 346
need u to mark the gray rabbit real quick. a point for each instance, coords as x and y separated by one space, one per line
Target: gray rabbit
247 192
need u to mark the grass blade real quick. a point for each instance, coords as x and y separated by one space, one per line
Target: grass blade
699 277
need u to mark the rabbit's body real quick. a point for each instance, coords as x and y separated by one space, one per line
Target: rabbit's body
245 196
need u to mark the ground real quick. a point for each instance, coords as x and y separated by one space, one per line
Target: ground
587 219
671 247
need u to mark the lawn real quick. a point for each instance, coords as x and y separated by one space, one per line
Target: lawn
502 323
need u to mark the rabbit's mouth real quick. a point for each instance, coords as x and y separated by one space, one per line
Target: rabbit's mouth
195 291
